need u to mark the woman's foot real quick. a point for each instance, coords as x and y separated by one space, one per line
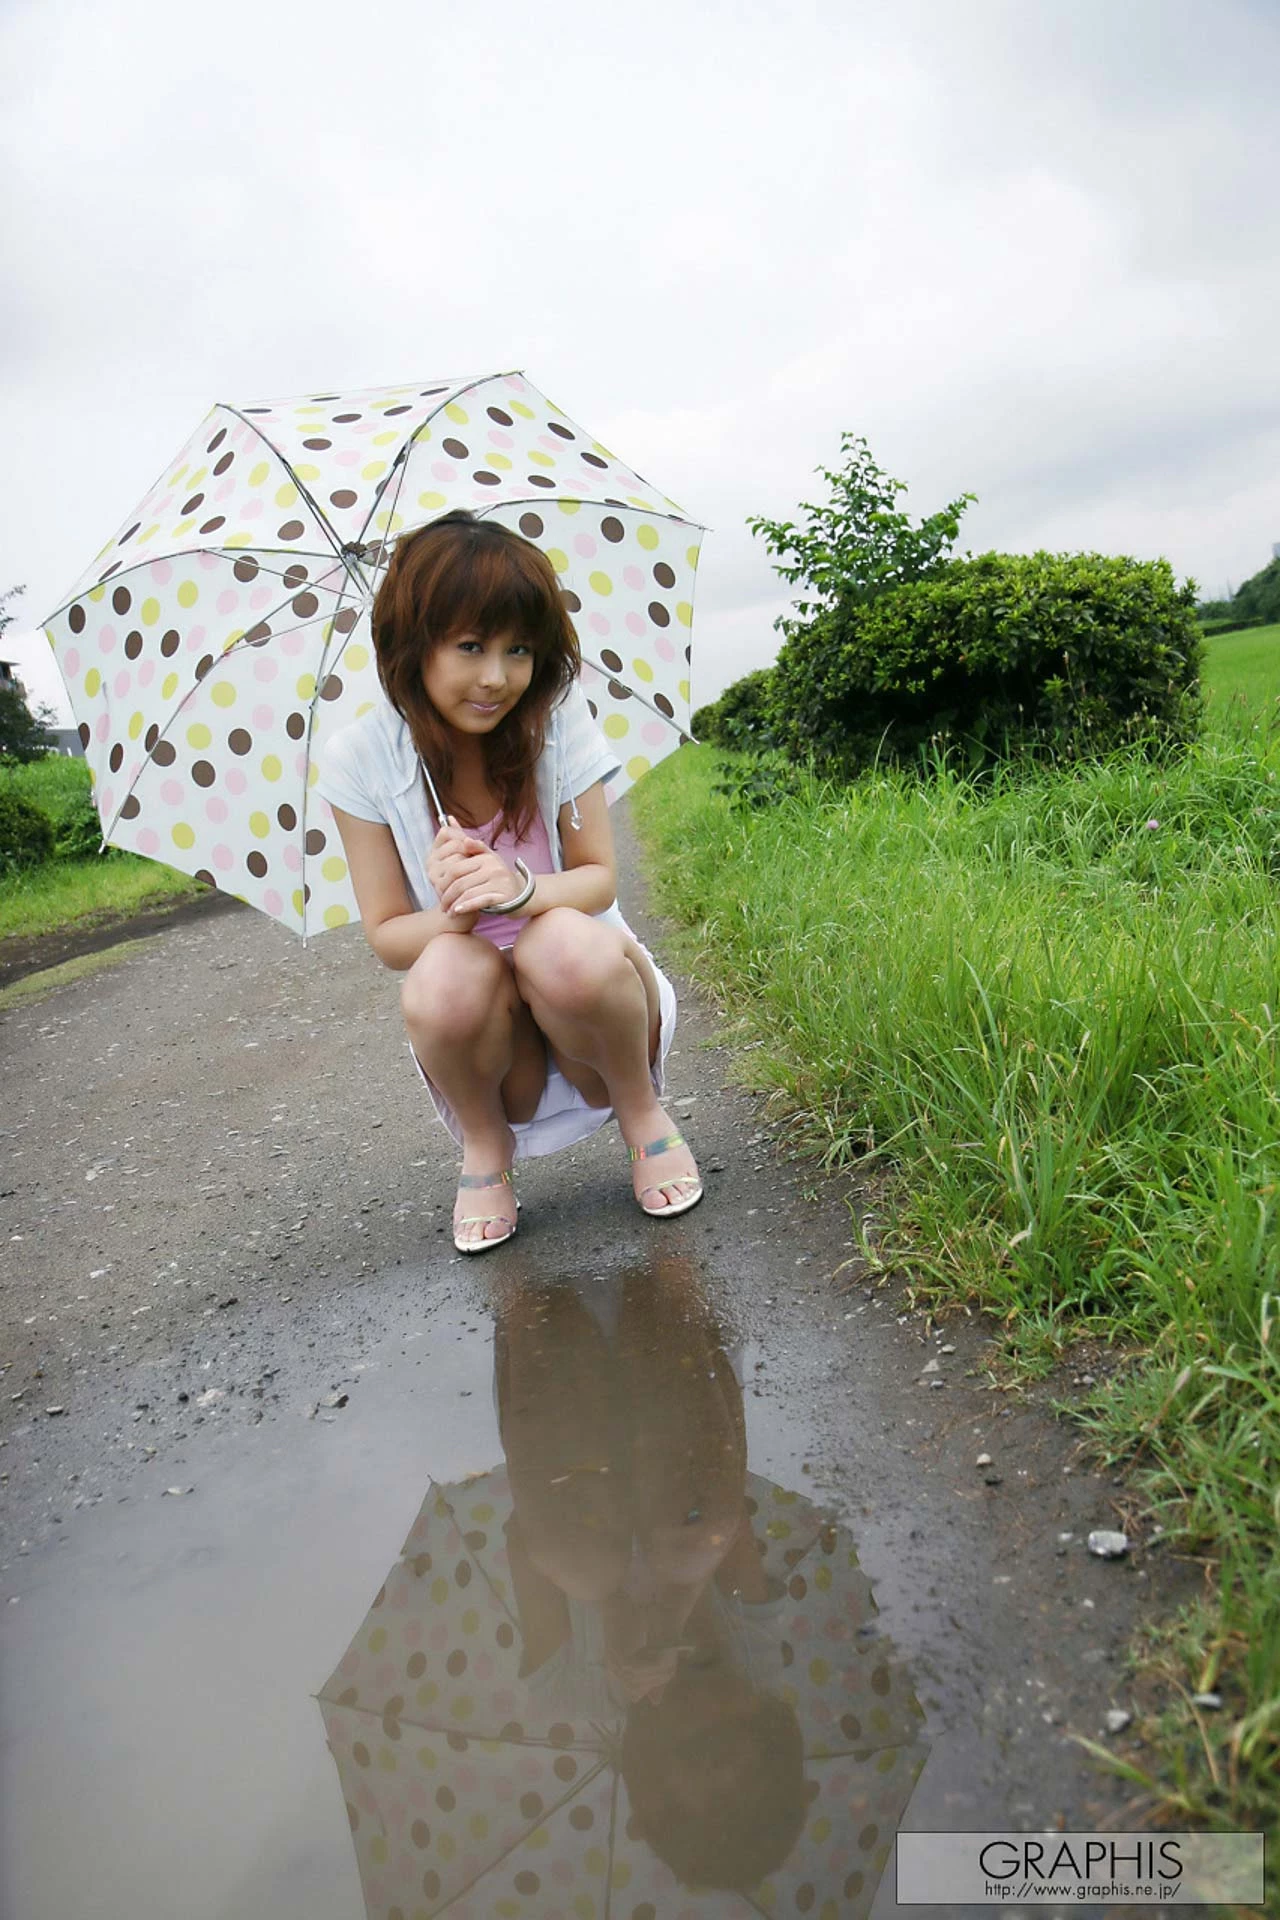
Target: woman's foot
484 1213
664 1173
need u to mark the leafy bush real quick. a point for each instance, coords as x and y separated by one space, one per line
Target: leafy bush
26 834
1052 655
741 717
78 830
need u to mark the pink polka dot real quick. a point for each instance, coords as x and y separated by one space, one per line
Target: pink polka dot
598 623
171 792
444 470
515 383
235 781
549 443
633 578
223 859
263 596
411 1632
653 733
503 1790
264 718
663 647
148 841
209 560
497 438
635 623
439 1634
161 571
146 673
251 510
102 726
292 643
300 765
585 545
159 510
349 1661
122 682
71 661
228 600
215 808
350 457
265 668
562 1873
225 488
107 637
292 858
482 1667
106 802
504 1702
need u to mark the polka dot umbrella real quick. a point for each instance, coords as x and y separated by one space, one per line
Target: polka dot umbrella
223 633
469 1792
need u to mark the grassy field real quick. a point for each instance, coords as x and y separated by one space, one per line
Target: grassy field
1244 669
1052 1011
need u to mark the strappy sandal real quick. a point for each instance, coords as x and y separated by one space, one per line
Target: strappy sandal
683 1180
471 1181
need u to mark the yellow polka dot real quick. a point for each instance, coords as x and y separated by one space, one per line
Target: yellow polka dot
637 765
558 558
356 658
463 1708
387 522
879 1722
478 1826
446 1846
821 1829
457 414
313 773
518 406
194 479
539 1839
569 506
647 535
336 916
259 825
822 1579
188 593
778 1530
223 695
334 868
150 534
621 1875
98 593
431 500
384 439
182 836
691 555
258 473
684 613
378 1849
483 1513
498 460
377 1640
601 583
297 901
271 767
169 686
149 612
306 686
595 1860
386 1760
426 1696
439 1591
585 1907
471 1621
683 689
136 724
616 726
540 459
92 682
642 670
366 706
507 1909
307 473
238 540
374 470
182 529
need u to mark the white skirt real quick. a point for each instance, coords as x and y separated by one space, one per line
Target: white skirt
563 1116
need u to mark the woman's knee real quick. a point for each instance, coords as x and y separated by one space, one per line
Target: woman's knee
454 987
569 959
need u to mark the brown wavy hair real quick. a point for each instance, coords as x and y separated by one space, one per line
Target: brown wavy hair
464 575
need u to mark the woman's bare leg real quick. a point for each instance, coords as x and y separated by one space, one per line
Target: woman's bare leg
477 1041
593 994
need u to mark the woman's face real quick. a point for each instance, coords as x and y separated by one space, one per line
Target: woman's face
472 683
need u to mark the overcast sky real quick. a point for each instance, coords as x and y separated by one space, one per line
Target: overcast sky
1028 248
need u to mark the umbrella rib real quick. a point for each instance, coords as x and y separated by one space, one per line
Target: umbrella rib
301 485
585 500
657 712
402 458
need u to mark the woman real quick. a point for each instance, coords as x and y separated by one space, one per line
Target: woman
533 1012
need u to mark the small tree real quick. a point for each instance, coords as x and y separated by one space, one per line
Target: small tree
859 543
23 735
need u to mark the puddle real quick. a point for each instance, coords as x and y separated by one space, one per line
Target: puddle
547 1622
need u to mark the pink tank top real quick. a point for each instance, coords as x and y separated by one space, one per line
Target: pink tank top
535 850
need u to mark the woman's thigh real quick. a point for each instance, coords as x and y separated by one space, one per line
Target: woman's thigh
549 952
455 995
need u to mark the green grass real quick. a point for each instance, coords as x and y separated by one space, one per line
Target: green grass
1052 1009
1244 669
60 893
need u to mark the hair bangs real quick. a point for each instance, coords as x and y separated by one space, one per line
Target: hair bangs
492 589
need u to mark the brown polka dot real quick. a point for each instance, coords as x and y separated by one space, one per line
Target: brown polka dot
257 865
658 614
827 1540
505 1636
530 527
663 705
483 478
456 449
122 599
150 737
164 753
217 440
421 1562
226 461
420 1834
75 618
561 1735
115 759
203 665
539 480
797 1586
131 808
496 414
332 688
880 1682
315 841
203 773
206 879
805 1897
128 533
664 575
240 740
811 1791
853 1886
594 460
572 601
511 1731
566 1767
353 1818
618 691
343 497
246 568
431 1883
348 1697
390 1725
344 419
189 506
132 644
345 619
318 445
462 1573
612 529
526 1882
611 659
416 1665
458 1742
360 1754
395 1913
108 571
456 1664
85 737
564 432
581 1819
644 1911
530 1805
593 709
304 605
259 634
868 1837
291 530
211 526
788 1653
446 1799
751 1504
389 413
296 725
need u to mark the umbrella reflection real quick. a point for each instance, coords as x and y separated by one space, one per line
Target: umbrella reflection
621 1675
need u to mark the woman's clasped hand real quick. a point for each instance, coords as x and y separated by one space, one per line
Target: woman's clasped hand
466 874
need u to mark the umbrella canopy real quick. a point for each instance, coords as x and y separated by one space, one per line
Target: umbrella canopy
464 1797
223 633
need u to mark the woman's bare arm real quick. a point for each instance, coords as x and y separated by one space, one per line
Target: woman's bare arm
396 931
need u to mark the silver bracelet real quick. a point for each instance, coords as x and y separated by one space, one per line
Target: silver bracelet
522 898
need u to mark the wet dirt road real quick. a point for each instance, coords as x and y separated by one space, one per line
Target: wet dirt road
699 1575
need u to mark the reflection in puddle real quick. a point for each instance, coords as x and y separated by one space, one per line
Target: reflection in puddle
619 1676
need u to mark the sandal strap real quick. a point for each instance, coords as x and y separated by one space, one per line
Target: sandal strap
503 1178
482 1220
660 1146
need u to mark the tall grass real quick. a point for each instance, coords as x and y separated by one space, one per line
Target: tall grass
1052 1004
